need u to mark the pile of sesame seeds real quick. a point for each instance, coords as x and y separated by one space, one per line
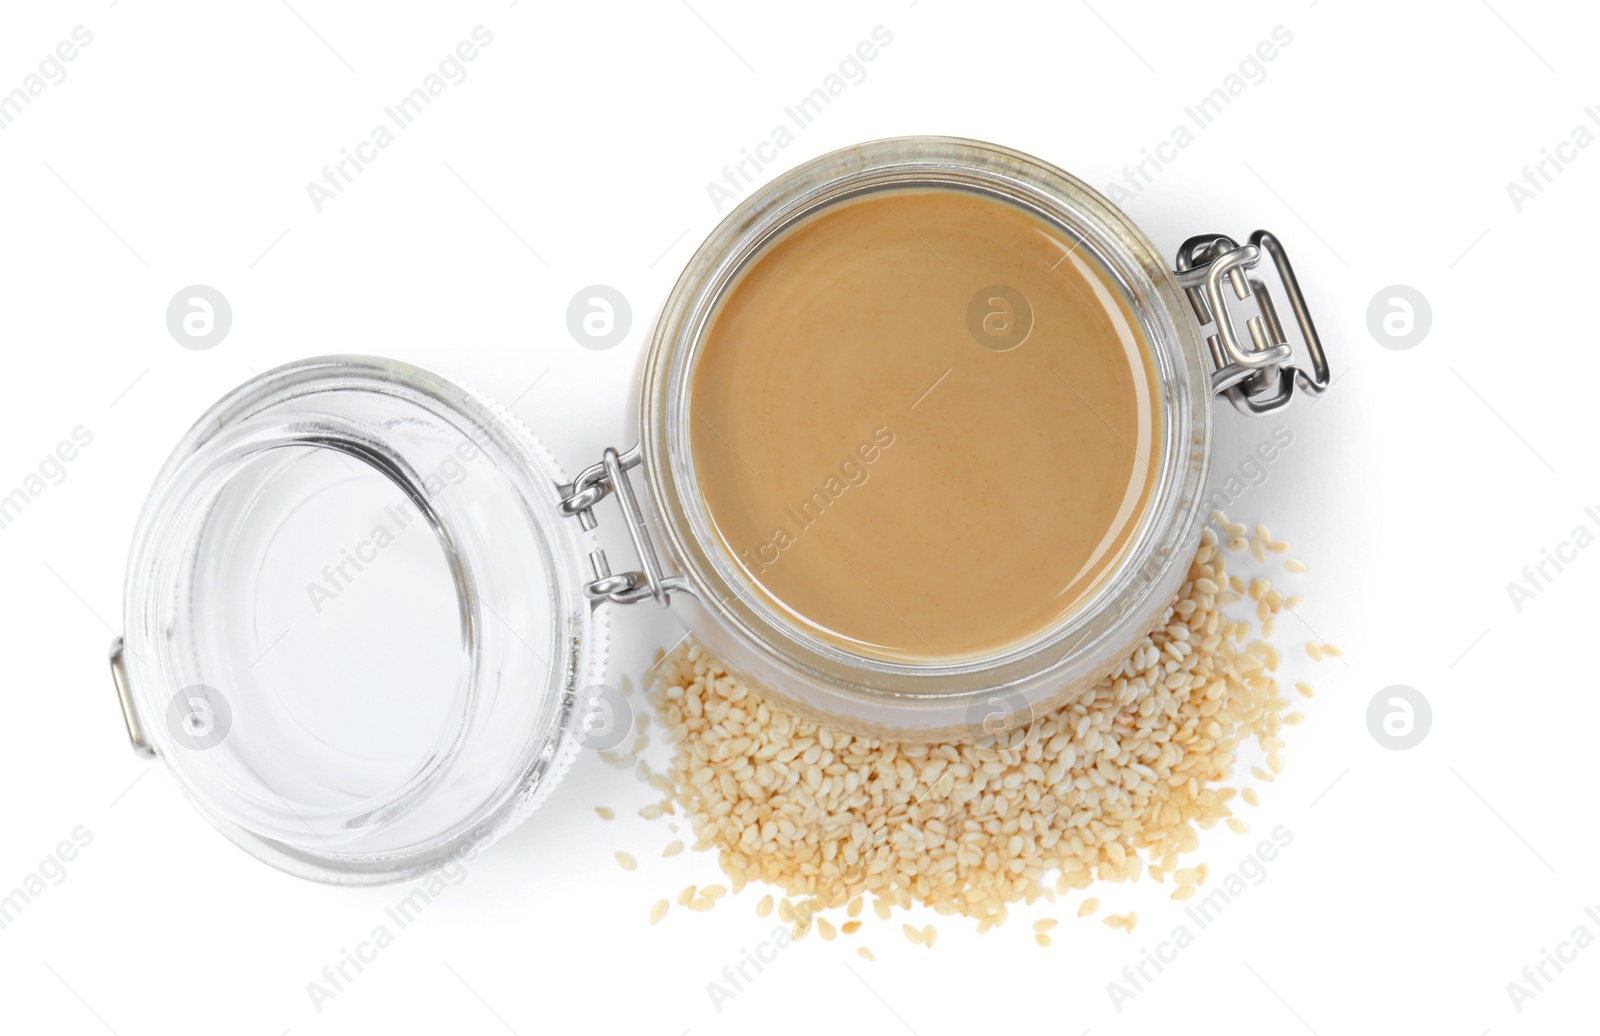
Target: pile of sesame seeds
1113 786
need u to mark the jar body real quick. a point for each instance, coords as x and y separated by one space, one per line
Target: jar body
907 700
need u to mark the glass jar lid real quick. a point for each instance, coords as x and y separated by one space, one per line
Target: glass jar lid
356 627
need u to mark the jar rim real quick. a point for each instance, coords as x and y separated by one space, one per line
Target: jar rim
933 698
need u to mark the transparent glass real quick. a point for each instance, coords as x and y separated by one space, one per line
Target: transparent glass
355 626
928 700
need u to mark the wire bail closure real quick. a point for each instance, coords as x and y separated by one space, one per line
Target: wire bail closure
1256 377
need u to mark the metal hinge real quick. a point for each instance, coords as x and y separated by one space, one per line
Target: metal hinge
1257 378
577 501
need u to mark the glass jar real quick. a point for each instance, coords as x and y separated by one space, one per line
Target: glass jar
460 597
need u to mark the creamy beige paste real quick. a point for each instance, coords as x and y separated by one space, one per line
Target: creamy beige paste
924 424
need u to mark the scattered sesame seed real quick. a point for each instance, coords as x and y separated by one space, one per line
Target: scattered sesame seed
865 953
658 911
673 848
1042 939
910 823
626 862
604 812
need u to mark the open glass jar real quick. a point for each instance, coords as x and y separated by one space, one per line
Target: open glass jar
366 612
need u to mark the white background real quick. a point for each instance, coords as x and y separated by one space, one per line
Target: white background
177 151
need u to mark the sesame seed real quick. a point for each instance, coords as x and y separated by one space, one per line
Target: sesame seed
626 862
604 812
673 848
1042 939
658 911
865 953
1115 785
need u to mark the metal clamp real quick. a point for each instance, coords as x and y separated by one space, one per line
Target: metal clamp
578 499
119 676
1257 378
